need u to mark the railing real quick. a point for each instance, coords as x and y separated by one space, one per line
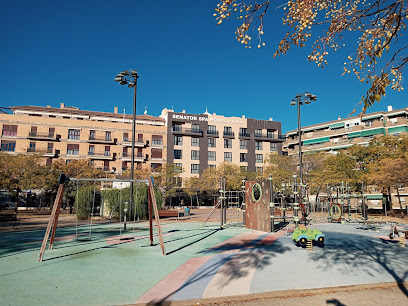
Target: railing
157 142
95 138
243 134
229 133
41 135
104 153
125 154
189 131
212 132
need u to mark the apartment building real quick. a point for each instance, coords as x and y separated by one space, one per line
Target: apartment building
340 134
343 133
196 142
70 133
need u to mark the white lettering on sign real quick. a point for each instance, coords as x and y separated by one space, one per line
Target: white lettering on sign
195 118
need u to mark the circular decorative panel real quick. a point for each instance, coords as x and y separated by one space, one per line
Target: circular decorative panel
256 192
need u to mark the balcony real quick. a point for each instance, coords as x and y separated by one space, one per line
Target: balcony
101 139
244 135
139 143
157 143
103 155
212 133
43 136
187 132
229 134
47 152
139 157
269 137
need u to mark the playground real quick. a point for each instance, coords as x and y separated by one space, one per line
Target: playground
213 253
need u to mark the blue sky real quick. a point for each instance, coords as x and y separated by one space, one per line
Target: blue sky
70 51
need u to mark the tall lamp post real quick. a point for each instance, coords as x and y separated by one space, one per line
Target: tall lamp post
306 98
129 77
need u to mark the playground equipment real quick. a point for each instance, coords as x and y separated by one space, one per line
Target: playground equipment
53 221
302 235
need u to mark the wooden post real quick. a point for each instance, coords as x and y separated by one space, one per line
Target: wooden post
149 204
54 226
51 222
156 214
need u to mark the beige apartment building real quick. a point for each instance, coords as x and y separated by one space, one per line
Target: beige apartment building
340 134
70 133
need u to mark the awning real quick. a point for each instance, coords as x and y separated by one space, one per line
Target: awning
314 141
336 125
355 134
341 147
374 196
373 132
397 129
371 117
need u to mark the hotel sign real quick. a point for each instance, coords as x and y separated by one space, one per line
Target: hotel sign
198 118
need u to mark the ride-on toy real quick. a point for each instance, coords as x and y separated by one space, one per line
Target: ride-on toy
302 234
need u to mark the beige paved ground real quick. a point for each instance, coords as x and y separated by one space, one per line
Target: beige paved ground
365 295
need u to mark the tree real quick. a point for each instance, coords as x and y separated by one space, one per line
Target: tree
388 173
281 167
192 188
379 58
231 173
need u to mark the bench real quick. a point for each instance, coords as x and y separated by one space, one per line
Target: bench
171 213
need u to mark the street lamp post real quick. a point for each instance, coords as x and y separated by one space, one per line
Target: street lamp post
306 98
129 77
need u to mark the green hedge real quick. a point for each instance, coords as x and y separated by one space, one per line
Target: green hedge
113 198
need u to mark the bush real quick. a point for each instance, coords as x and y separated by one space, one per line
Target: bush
113 198
85 200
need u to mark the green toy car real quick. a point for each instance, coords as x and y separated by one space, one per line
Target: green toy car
302 234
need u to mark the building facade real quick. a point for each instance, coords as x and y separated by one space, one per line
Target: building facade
343 133
70 133
197 142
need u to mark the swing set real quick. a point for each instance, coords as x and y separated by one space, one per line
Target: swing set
53 221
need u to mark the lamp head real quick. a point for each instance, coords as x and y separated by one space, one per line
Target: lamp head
293 103
118 79
123 82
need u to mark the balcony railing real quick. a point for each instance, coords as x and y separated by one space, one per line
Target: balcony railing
102 139
138 142
37 135
185 131
229 134
212 133
269 137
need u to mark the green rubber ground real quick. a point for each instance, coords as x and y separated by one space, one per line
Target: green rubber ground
94 272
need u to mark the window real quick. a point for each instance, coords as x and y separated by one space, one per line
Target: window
125 136
195 155
124 165
107 151
51 132
178 140
48 161
73 149
273 146
106 165
108 136
243 144
177 181
8 146
91 150
195 128
177 127
92 135
9 130
195 142
73 134
243 132
154 167
227 156
157 140
195 168
228 131
227 143
211 130
211 142
258 132
177 154
212 166
259 158
259 169
178 168
270 134
31 147
243 157
368 123
258 145
50 147
157 153
140 138
33 131
211 155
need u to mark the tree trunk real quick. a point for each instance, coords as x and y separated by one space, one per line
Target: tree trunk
389 199
198 204
400 204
